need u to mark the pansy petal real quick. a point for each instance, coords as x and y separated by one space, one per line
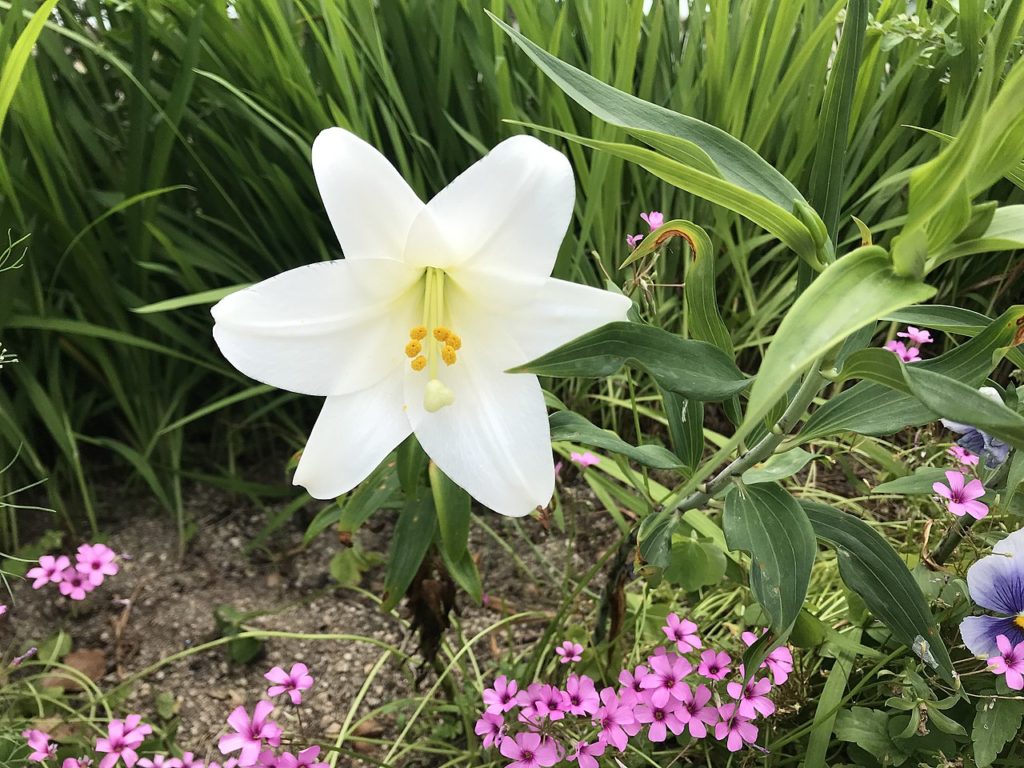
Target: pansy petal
979 633
493 440
352 435
323 329
1012 545
996 582
504 215
368 202
559 313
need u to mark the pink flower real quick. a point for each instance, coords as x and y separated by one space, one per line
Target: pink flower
569 652
582 695
586 754
661 719
779 661
97 562
613 717
50 568
1009 662
3 609
960 498
654 219
682 632
530 750
491 726
633 241
962 456
915 335
188 760
753 697
293 682
734 729
307 758
666 677
39 743
76 762
250 733
714 666
75 584
695 711
585 459
633 682
160 761
905 353
123 738
502 697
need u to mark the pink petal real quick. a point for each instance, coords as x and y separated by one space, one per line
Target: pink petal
976 509
956 480
239 720
942 490
974 489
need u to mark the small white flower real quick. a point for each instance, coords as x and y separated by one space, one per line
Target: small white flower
413 331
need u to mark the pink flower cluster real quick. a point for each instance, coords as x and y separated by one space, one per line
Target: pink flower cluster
255 737
540 725
654 219
93 563
909 351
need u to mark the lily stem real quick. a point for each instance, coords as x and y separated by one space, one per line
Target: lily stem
765 447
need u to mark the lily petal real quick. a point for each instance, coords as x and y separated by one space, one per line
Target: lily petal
370 206
324 329
505 215
493 440
352 435
560 312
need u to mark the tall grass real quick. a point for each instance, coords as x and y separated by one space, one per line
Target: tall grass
157 153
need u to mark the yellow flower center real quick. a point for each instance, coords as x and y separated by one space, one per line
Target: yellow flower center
433 340
1019 621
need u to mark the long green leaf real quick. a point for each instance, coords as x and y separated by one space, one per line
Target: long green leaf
413 535
767 522
851 293
571 427
872 569
691 368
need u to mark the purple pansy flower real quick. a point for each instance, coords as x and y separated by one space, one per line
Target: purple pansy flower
996 582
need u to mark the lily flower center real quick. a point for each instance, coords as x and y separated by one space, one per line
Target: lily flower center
433 340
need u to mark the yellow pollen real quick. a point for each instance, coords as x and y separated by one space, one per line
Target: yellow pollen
418 332
1019 621
454 341
419 363
413 348
441 333
448 354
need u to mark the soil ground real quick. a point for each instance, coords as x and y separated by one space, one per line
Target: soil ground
159 605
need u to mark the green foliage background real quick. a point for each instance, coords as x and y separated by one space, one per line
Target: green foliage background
157 153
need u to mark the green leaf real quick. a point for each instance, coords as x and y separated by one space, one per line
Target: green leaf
873 569
19 55
996 722
869 730
413 535
454 513
779 466
693 564
943 318
1015 476
942 395
372 494
693 369
856 290
685 426
201 298
573 428
873 409
917 484
1005 232
735 161
828 172
464 571
791 228
767 522
654 538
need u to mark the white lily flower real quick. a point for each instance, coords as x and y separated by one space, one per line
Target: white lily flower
414 329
